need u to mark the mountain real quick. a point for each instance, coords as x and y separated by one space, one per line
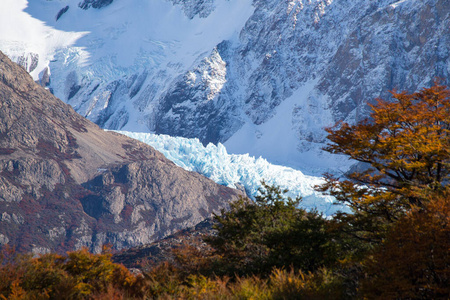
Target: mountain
65 183
261 76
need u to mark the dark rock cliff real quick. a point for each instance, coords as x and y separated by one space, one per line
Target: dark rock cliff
65 183
85 4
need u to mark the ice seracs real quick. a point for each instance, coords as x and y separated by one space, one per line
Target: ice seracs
239 170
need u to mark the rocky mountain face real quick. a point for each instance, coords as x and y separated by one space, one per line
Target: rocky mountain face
229 71
352 52
335 54
65 183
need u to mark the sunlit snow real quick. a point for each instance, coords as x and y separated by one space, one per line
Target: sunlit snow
124 36
277 139
233 170
21 34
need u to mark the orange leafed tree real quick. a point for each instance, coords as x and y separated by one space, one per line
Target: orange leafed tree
406 142
406 145
400 198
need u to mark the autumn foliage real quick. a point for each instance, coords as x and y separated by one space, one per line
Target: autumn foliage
400 197
413 262
406 142
77 275
395 244
406 148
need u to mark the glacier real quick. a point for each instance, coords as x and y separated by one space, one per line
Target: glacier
239 171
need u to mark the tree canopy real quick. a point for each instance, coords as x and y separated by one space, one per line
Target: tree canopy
406 145
254 237
400 200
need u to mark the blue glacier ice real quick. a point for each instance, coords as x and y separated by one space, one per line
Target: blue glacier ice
238 170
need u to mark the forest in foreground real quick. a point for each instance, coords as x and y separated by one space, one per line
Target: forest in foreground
395 243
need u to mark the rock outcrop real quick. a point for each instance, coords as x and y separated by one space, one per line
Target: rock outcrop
65 183
85 4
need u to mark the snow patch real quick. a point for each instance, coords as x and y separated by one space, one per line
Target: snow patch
278 140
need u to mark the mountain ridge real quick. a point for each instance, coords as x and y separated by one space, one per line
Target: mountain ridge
187 71
65 183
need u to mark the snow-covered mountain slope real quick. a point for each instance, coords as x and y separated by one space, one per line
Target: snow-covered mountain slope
261 76
239 171
29 41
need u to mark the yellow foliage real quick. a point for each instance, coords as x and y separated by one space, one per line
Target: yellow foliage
406 142
78 275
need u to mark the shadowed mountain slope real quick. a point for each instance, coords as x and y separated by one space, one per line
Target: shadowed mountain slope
65 183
